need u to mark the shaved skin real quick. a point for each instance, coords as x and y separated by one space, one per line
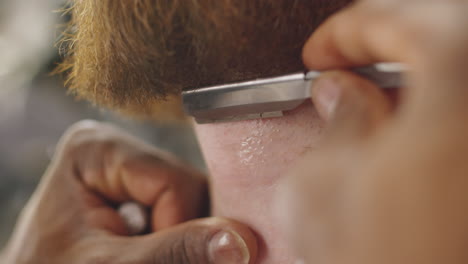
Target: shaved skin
246 161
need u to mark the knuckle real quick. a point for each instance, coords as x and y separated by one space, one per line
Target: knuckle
185 249
79 133
86 137
178 253
84 127
193 249
190 252
87 146
169 255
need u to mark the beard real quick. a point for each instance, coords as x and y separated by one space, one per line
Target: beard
137 56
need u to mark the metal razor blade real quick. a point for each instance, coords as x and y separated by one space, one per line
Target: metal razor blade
270 97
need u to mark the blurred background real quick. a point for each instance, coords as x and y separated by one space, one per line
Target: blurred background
35 109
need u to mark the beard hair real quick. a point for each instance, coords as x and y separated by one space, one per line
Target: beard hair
137 56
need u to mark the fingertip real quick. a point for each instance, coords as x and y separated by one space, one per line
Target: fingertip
168 211
316 54
180 202
233 241
320 52
325 95
351 104
249 238
307 54
334 44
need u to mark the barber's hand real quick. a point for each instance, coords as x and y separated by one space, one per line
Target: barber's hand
72 217
387 185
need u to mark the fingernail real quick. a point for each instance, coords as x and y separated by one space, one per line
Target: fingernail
326 96
228 247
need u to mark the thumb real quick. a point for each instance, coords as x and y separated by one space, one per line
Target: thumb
351 105
204 241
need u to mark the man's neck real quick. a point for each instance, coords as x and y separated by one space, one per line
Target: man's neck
247 161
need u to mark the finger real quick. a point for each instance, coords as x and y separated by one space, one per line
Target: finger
179 204
200 241
429 36
117 168
375 31
353 106
173 194
362 34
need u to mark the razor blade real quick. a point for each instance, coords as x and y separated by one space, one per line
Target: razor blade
271 97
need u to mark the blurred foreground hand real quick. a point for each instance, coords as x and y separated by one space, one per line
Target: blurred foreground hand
387 186
73 217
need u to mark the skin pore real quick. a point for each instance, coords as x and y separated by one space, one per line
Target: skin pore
137 56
